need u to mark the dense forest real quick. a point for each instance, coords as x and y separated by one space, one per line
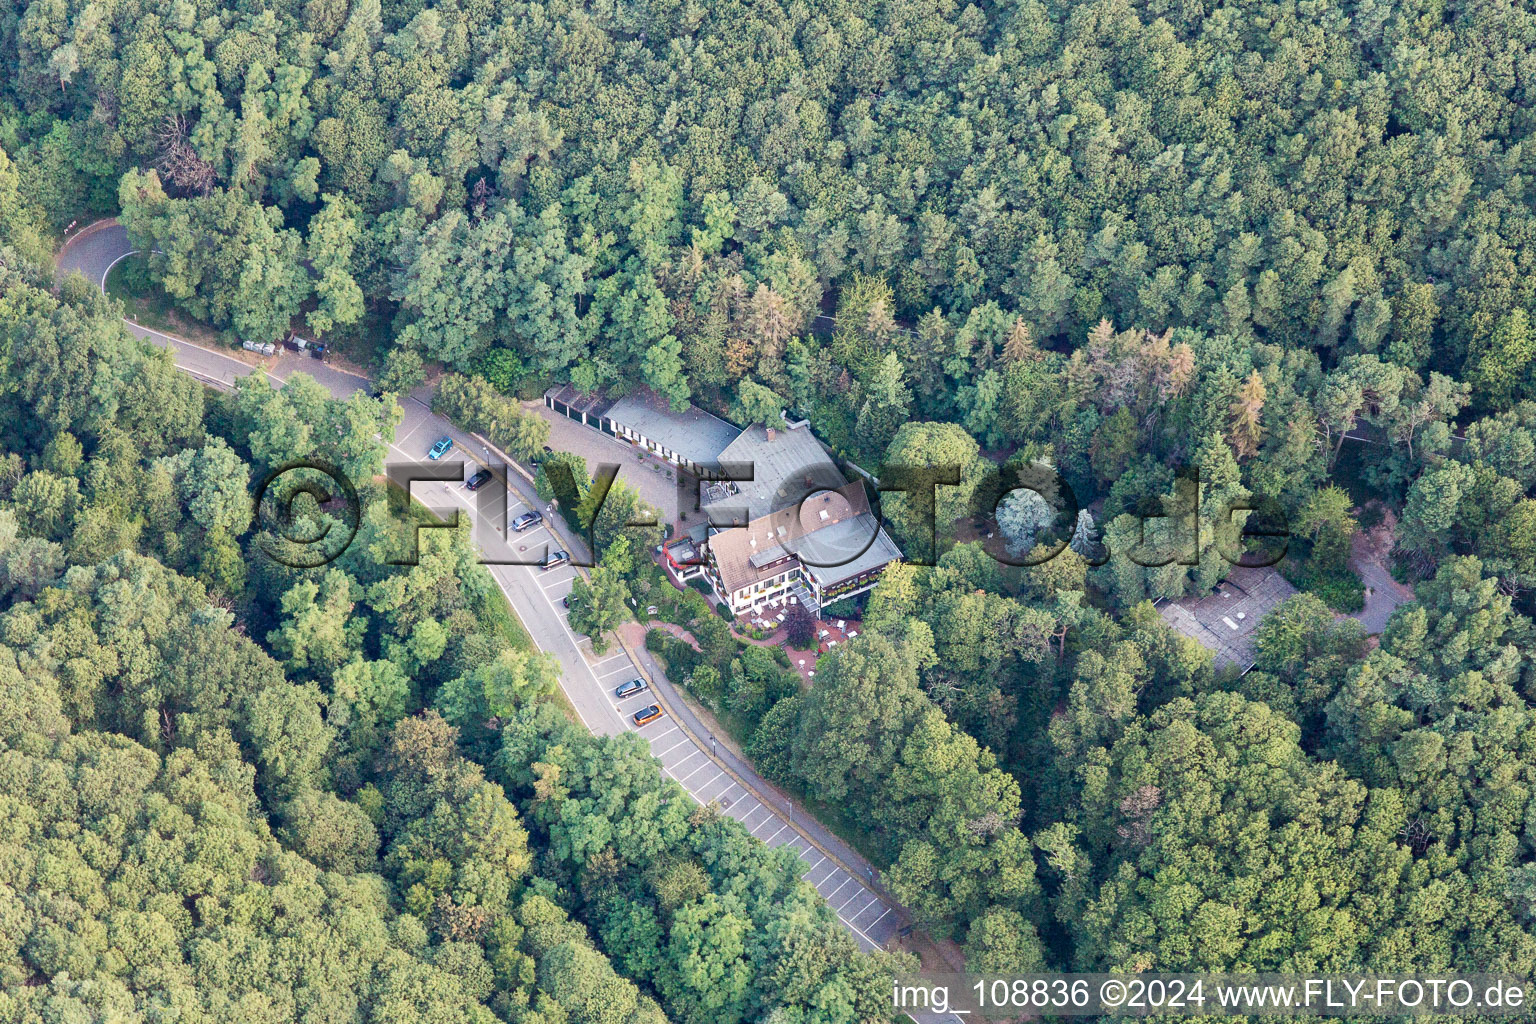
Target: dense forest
234 791
1288 245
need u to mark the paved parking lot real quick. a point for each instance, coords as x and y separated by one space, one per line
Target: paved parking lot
590 681
654 479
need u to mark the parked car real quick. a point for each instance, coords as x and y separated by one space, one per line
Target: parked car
527 521
555 560
477 481
645 715
441 447
630 688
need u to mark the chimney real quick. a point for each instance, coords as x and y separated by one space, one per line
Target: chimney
771 432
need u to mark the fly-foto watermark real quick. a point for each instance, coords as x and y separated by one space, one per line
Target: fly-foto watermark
308 512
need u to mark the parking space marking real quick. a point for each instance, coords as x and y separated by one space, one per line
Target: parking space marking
741 812
696 771
826 873
702 786
637 695
656 737
826 870
885 913
659 754
768 822
876 902
688 757
834 892
873 899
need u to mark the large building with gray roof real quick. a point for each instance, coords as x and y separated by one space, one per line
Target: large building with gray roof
782 521
826 547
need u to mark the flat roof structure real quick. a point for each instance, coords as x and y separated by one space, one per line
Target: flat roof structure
592 405
1226 620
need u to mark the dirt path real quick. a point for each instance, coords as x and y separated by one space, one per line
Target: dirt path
1369 557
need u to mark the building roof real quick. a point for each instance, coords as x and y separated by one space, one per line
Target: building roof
693 433
594 404
847 549
847 541
786 465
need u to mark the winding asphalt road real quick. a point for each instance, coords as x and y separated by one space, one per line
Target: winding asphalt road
678 740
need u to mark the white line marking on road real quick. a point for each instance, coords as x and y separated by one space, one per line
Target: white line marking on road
687 757
862 892
875 901
706 764
881 917
834 892
658 754
711 782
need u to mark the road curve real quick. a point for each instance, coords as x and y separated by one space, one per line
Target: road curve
588 680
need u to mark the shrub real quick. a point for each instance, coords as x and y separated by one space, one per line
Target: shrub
769 744
800 627
501 368
476 405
